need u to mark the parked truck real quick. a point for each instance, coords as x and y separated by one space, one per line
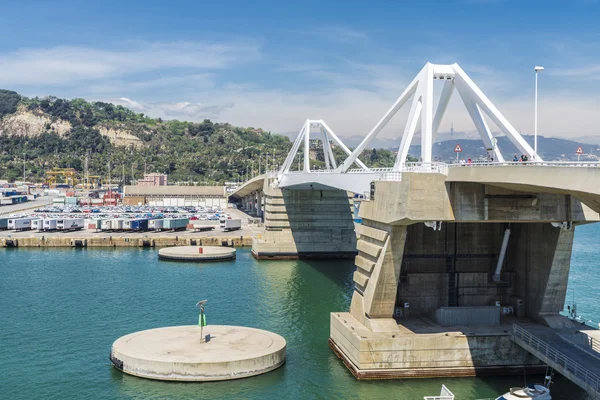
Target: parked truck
106 225
19 224
37 225
49 224
156 224
176 224
70 224
127 224
116 225
139 225
232 225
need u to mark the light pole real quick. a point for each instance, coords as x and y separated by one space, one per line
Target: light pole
537 69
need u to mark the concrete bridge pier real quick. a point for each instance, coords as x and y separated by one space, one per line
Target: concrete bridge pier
426 295
305 224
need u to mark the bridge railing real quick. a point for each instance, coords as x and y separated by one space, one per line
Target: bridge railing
586 164
557 357
388 174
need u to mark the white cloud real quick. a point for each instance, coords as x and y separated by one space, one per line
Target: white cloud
193 81
67 65
174 110
587 72
336 33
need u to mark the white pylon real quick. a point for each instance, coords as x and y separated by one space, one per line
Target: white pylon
316 129
421 91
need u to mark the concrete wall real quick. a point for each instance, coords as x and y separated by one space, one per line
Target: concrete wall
240 241
378 356
466 251
306 223
542 257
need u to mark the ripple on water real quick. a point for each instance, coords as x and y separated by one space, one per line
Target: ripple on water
63 308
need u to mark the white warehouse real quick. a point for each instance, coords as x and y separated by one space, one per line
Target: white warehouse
207 196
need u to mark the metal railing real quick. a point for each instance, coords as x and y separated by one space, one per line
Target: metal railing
572 164
434 167
389 174
560 360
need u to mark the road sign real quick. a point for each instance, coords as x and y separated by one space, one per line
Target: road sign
458 149
579 150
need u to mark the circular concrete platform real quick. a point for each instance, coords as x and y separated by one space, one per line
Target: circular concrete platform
193 253
175 353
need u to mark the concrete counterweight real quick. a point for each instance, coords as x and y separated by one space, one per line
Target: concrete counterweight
197 253
176 353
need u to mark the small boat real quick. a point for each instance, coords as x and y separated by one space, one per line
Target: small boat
537 392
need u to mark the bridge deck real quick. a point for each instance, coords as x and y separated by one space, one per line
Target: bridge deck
580 366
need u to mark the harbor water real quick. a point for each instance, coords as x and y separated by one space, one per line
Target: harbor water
61 309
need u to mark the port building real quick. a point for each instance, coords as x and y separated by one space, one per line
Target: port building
180 196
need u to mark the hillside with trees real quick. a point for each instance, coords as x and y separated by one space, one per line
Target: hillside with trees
58 133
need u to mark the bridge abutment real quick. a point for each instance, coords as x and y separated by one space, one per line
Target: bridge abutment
305 224
425 298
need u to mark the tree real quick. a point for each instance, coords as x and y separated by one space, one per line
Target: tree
8 102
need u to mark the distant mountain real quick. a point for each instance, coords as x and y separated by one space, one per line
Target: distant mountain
593 139
549 149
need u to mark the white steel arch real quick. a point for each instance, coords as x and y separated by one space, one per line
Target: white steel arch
316 129
421 92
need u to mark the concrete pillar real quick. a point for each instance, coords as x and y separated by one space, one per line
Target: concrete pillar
553 299
305 224
378 263
259 208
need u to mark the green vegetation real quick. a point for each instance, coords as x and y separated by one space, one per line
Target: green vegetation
205 152
8 102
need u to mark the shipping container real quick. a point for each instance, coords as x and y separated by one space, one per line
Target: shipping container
70 224
71 201
58 200
116 225
19 224
95 224
106 225
139 225
49 224
176 224
156 224
3 224
37 224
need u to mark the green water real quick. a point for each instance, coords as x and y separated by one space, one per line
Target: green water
62 309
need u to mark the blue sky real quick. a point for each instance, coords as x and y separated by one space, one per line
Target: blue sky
273 64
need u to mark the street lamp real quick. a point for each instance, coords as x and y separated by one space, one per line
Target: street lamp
537 69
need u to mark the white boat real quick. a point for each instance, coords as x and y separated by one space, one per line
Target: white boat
537 392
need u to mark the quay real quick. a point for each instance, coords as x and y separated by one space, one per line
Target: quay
126 241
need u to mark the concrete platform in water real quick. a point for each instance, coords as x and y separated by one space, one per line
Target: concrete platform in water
197 253
176 353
